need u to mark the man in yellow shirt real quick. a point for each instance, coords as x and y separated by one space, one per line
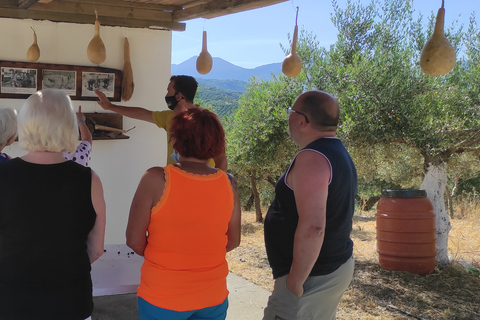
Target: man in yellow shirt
181 91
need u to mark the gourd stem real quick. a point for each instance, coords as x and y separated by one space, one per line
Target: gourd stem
296 18
204 42
295 35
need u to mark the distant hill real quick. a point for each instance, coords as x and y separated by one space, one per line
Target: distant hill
232 85
221 88
224 70
222 102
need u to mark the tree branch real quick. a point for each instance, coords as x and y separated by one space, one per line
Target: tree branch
387 305
473 139
449 132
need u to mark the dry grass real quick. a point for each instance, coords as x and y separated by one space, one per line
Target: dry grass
374 293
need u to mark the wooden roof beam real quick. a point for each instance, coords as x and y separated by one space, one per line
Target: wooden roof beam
104 10
220 8
128 4
90 19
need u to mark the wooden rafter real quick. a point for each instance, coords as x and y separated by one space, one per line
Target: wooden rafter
158 14
217 8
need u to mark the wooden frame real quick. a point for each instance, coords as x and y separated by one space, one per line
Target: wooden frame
21 79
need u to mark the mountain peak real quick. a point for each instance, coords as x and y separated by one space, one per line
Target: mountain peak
224 70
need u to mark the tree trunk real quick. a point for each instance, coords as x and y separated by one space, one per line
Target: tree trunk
450 196
272 181
367 204
256 196
435 183
249 203
371 202
450 208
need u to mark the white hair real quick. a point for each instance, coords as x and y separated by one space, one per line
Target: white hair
47 122
8 125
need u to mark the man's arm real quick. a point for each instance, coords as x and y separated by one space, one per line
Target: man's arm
131 112
309 179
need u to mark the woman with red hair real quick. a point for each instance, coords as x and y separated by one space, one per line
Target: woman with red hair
184 218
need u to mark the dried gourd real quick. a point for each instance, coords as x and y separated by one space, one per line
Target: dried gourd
96 52
292 64
33 53
127 80
438 56
204 60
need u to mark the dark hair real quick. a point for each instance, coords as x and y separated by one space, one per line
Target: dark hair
186 85
197 133
316 106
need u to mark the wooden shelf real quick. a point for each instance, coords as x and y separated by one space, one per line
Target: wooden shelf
111 120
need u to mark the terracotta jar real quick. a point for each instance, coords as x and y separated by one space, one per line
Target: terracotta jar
405 225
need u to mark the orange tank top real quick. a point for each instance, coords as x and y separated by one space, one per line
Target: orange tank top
185 267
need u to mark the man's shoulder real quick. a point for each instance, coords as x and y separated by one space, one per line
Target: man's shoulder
163 113
162 118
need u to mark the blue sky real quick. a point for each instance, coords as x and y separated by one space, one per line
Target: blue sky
252 38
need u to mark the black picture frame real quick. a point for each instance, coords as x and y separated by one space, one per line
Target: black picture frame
20 79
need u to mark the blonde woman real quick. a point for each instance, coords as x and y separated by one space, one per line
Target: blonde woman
8 130
52 218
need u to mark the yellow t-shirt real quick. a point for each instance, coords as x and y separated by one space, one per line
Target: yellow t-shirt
163 119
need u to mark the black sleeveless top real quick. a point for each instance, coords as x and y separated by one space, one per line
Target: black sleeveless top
282 216
46 214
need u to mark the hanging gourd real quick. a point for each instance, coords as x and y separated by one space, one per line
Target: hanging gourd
127 80
96 52
33 52
292 65
204 60
438 56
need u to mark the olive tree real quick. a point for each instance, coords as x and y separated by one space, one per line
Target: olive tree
387 100
259 148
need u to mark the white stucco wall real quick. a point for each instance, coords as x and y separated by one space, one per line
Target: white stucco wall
119 163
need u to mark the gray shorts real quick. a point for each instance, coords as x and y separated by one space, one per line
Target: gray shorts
320 299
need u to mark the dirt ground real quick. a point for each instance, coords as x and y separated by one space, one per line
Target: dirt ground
449 293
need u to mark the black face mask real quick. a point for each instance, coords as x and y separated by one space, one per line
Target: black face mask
171 102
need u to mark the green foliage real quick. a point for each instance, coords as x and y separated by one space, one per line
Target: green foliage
222 102
386 167
394 119
258 143
471 186
464 174
230 85
385 96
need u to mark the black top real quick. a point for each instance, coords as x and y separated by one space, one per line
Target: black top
282 216
46 214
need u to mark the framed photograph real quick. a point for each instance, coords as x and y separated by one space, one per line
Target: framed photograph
60 79
92 81
18 80
21 79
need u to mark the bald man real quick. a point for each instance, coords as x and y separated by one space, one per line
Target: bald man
308 224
